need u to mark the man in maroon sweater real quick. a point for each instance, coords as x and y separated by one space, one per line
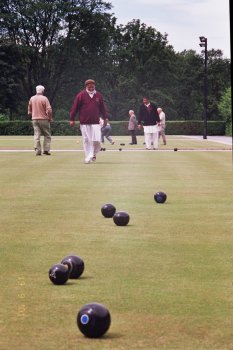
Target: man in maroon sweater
89 106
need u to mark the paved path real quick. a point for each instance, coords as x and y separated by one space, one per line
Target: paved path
228 140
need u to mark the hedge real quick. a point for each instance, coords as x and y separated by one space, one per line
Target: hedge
118 128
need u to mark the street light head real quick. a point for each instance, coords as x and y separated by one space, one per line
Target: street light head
202 45
202 39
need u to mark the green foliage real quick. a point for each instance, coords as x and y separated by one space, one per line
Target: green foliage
225 110
54 35
62 43
219 78
61 114
62 127
16 127
12 72
4 117
194 127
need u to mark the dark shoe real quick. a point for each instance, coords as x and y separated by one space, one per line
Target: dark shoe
38 153
47 153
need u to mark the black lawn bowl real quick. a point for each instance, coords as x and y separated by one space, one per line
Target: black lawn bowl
59 274
160 197
75 265
108 210
175 149
120 149
122 144
93 320
121 218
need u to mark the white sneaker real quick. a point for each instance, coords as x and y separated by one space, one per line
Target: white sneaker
88 160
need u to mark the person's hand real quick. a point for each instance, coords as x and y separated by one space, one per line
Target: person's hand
139 126
72 123
105 122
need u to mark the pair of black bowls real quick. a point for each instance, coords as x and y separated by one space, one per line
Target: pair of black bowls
120 218
71 267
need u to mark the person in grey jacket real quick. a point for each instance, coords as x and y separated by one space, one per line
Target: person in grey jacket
162 118
132 127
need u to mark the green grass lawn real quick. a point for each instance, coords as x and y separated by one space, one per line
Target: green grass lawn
166 278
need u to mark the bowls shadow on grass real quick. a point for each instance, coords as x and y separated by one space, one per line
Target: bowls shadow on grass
112 335
72 281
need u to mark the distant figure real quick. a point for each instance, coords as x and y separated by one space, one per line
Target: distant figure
106 131
132 127
90 107
148 118
40 110
162 124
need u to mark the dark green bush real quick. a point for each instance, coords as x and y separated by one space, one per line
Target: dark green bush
177 128
118 128
194 128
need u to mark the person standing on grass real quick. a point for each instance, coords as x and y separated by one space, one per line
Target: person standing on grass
89 106
148 118
106 131
40 110
162 124
132 127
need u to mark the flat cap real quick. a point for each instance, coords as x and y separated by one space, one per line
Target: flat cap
89 81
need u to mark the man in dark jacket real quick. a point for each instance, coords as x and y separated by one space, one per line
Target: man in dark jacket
148 118
90 107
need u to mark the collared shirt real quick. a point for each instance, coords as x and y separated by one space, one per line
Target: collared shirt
91 93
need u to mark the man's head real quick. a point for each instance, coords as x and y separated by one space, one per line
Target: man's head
159 110
145 100
40 89
90 85
131 112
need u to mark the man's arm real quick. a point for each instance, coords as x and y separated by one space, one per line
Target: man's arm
30 108
49 111
74 109
103 111
140 118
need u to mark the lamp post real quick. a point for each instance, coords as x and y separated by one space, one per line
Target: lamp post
203 43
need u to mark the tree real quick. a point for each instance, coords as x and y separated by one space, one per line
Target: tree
141 64
225 110
219 78
188 92
12 73
53 34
